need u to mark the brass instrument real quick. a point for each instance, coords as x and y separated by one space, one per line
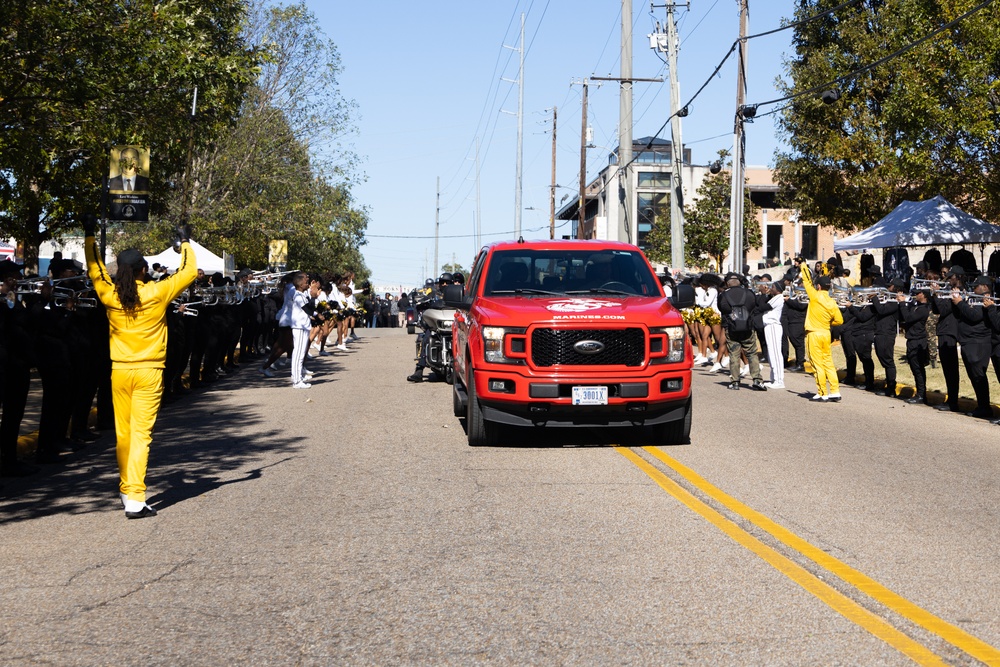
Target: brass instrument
841 295
866 296
800 294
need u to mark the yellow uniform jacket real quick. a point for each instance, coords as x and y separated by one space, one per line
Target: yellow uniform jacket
139 342
823 311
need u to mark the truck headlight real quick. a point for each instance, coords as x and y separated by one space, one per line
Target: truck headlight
666 345
493 345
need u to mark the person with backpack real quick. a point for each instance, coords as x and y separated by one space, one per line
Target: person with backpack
737 305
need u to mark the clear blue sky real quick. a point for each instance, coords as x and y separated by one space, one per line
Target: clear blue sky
428 80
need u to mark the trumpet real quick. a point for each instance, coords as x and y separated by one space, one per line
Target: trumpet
866 296
800 294
974 299
918 284
841 295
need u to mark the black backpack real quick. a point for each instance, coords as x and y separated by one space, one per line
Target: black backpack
739 318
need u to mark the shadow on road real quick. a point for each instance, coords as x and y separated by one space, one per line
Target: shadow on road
542 437
197 443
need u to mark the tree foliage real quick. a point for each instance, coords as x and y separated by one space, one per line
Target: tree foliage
922 124
79 75
706 223
279 171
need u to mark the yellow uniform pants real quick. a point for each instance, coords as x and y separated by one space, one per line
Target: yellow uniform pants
818 345
136 394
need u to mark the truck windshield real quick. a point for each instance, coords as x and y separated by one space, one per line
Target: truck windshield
571 272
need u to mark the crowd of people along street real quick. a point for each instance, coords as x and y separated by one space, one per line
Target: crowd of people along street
945 310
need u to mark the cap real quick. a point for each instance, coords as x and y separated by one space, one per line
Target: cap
823 282
732 276
983 280
920 265
955 271
874 270
7 268
244 273
131 257
898 283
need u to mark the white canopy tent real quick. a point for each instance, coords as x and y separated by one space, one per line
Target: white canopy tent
922 223
206 260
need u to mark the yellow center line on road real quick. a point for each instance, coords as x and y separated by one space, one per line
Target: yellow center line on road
826 593
954 635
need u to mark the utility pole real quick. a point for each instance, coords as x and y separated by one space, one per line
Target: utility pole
552 188
736 250
479 218
625 128
583 163
437 223
676 147
520 132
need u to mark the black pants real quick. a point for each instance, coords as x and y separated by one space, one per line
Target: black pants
976 356
885 350
851 355
797 340
917 357
16 382
948 356
862 341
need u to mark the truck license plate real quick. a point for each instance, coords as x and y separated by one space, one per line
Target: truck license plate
590 395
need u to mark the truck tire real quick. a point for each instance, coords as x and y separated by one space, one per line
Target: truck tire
677 432
456 400
481 432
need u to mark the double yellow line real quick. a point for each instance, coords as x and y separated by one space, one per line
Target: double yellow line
836 600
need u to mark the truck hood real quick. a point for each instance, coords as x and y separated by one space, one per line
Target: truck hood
605 309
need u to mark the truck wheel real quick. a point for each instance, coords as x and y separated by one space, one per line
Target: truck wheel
411 329
481 432
456 400
676 432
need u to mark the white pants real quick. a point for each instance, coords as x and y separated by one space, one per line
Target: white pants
300 345
772 335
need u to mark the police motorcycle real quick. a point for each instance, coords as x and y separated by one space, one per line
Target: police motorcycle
436 319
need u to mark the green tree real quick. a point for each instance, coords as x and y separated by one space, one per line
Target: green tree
923 123
706 223
65 96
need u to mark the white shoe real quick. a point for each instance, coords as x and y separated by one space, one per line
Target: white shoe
342 347
712 356
699 359
818 397
301 385
774 385
123 498
834 398
744 371
725 362
307 374
267 372
716 367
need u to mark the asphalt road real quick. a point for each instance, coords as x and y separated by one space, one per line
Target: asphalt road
351 524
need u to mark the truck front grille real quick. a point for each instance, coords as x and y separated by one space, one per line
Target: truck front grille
554 347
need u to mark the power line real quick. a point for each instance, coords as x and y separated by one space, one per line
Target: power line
466 236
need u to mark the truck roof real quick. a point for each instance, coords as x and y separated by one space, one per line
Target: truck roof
546 244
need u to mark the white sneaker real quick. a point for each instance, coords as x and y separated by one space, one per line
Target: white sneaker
698 359
712 356
834 398
267 372
342 347
307 374
301 385
818 397
725 362
716 367
774 385
744 371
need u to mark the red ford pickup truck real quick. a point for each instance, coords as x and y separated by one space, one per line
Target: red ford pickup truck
569 333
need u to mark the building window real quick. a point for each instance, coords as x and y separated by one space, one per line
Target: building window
810 241
654 209
654 179
772 247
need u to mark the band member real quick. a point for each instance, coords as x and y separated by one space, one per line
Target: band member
886 322
794 328
821 314
17 355
914 317
975 340
993 319
947 333
137 313
862 339
847 345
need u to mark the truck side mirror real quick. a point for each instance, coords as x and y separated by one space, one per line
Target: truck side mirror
683 297
454 296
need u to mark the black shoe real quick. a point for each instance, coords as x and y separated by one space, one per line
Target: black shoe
416 377
881 392
916 399
734 386
946 407
797 368
47 457
850 382
982 414
995 421
758 386
141 514
86 435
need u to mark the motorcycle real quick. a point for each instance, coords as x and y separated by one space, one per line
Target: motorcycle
436 323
